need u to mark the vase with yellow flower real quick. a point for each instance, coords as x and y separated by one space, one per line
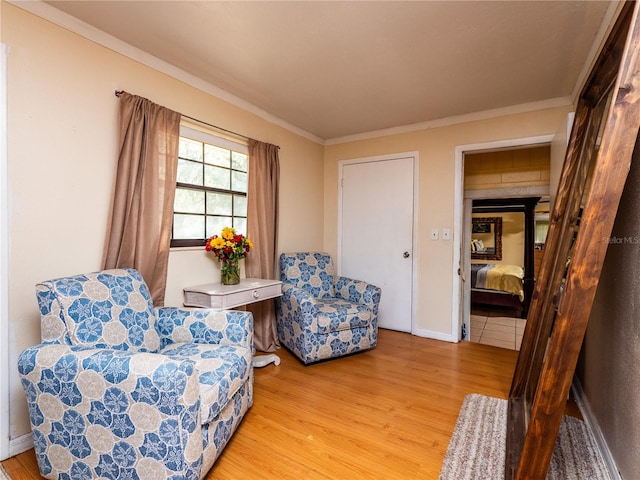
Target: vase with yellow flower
229 248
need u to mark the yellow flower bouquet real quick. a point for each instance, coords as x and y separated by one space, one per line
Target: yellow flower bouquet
229 247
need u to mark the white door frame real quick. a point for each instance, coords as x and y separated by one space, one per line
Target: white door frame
4 267
458 214
414 261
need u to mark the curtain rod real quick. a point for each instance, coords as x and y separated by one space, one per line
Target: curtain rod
120 92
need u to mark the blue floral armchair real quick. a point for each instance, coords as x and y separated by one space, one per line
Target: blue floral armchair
119 389
322 316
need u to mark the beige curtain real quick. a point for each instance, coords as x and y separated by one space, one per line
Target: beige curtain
262 229
140 226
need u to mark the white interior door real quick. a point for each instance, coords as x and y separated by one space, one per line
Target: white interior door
377 230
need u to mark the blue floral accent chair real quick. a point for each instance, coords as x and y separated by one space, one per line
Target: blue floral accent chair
320 315
119 389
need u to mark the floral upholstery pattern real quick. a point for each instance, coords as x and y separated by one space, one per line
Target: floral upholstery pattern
121 389
321 316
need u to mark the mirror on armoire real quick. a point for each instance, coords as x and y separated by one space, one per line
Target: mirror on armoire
601 144
486 238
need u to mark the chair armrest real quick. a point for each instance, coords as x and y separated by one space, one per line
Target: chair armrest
299 304
136 403
205 325
358 292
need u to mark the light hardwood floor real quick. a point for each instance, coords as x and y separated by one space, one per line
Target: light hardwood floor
383 414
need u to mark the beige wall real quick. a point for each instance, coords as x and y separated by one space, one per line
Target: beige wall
436 149
512 238
62 142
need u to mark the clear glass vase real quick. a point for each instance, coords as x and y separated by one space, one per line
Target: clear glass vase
230 272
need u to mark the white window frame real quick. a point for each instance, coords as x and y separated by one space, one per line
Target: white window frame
215 140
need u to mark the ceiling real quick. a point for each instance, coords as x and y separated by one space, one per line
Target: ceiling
336 69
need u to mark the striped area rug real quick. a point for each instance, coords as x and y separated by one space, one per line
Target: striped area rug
476 449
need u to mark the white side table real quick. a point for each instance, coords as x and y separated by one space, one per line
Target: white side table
249 290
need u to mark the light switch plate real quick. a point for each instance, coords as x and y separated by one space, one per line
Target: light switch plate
434 234
446 234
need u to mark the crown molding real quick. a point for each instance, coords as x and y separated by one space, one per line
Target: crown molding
79 27
64 20
454 120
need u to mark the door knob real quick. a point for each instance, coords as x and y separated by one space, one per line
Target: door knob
405 254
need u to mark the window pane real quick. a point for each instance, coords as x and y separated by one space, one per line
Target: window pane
240 224
189 201
217 156
190 149
239 181
187 227
219 204
239 161
217 177
189 172
216 224
240 205
208 177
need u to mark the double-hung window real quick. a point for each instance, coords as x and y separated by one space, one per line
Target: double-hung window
211 187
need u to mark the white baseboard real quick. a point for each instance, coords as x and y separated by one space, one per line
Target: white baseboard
445 337
20 444
592 424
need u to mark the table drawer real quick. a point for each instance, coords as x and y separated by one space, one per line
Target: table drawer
253 295
230 296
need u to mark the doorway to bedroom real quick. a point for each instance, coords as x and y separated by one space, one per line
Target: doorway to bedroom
505 200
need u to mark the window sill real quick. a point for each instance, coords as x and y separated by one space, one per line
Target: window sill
186 249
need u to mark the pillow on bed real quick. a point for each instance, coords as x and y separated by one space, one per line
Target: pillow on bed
477 245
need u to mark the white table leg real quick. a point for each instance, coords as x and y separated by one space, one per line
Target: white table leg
264 360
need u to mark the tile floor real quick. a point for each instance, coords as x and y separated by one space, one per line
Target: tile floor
496 328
